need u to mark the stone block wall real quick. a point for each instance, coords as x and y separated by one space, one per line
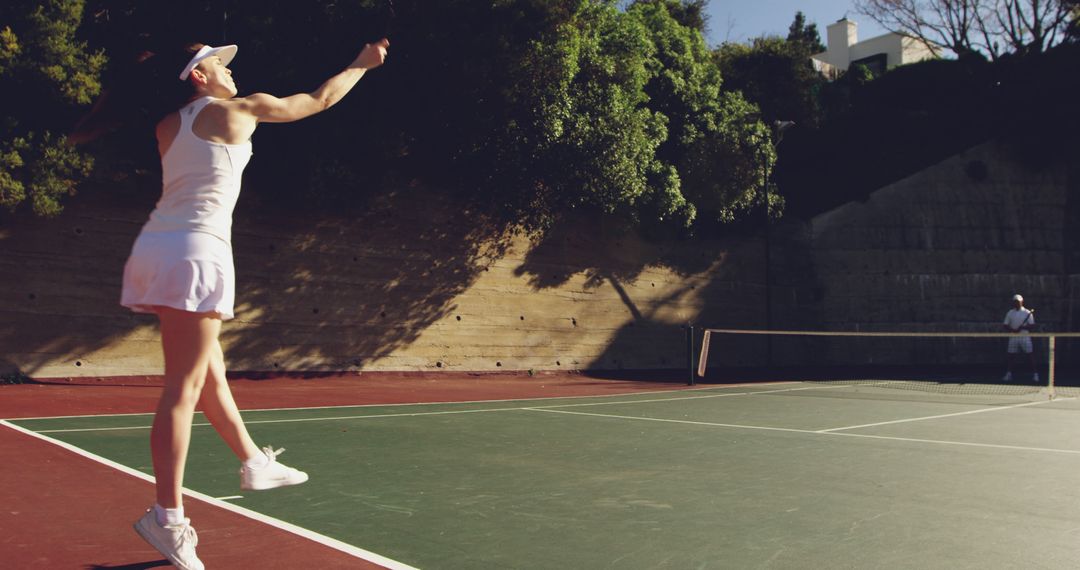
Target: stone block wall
941 251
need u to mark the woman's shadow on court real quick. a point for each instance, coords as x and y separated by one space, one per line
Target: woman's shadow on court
136 566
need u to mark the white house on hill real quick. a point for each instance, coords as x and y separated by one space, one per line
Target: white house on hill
878 54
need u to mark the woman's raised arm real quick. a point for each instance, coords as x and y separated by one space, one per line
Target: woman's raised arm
270 109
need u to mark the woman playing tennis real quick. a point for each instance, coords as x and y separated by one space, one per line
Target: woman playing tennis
181 265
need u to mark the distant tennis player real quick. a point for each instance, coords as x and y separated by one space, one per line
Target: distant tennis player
1019 320
181 265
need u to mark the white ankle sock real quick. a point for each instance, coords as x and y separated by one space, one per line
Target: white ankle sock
168 516
257 462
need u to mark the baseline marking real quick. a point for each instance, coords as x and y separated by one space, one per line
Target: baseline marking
287 421
265 519
647 392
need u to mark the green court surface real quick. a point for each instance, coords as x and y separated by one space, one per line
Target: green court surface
767 476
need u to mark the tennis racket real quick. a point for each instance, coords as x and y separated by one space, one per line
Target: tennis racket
1021 327
1029 313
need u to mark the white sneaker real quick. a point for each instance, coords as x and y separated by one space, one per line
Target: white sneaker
271 475
1008 377
175 541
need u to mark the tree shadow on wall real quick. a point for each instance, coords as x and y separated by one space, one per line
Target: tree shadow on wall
663 285
338 294
59 299
313 293
606 249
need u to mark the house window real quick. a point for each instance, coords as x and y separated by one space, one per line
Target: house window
877 64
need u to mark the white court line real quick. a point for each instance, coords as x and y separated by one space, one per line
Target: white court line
979 411
288 421
689 422
446 413
541 399
962 443
80 430
295 420
229 498
271 521
813 432
725 395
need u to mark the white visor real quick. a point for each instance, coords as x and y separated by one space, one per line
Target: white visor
1018 298
226 53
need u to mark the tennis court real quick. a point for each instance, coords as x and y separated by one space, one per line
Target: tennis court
769 475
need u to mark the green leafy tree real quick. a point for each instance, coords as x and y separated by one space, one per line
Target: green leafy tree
46 75
531 108
805 36
776 73
714 144
578 133
623 113
688 13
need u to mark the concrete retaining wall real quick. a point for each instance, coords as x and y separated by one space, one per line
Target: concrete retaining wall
411 283
943 250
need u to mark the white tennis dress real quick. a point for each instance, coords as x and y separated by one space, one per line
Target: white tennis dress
183 256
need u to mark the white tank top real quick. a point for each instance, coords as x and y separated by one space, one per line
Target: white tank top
201 181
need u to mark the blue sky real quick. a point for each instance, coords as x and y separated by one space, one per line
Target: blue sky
741 20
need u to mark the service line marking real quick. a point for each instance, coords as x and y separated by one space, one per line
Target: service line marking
812 432
923 418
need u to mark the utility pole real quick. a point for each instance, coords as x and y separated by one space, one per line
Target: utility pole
778 129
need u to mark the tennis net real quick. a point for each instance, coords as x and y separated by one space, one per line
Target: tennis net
949 362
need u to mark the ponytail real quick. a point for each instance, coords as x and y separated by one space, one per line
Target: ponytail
140 94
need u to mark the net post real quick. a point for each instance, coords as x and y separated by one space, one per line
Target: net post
703 358
1050 371
690 353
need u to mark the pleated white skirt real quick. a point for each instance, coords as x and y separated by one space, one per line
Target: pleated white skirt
189 271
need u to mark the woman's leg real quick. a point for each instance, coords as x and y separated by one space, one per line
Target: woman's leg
260 470
220 408
188 340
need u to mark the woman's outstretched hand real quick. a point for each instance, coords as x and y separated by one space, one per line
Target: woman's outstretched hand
373 55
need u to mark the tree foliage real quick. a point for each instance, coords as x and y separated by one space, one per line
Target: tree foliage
528 107
776 73
865 129
45 73
688 13
620 112
805 36
877 130
716 143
